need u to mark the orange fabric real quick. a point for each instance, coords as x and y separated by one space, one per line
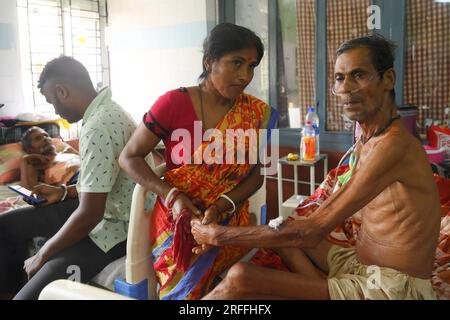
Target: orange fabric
205 183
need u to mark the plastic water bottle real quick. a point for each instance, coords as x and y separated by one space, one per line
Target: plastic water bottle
313 118
308 145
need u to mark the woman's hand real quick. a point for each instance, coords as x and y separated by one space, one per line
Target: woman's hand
50 193
204 235
183 202
202 249
211 215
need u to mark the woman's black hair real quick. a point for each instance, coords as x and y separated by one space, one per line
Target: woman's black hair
228 37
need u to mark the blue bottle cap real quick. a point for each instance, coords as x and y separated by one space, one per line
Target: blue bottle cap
311 109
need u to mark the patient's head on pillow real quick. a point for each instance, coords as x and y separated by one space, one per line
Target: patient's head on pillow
37 140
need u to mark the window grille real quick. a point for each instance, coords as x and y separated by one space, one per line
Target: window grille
50 28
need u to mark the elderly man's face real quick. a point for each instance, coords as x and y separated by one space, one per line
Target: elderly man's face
41 143
358 84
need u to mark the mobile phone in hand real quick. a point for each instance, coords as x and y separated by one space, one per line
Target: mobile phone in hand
27 194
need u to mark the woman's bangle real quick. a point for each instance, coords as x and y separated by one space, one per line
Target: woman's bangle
169 196
65 193
174 197
229 200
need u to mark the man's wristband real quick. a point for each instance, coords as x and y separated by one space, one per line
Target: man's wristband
65 192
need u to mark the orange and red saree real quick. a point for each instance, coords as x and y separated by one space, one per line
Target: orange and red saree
205 183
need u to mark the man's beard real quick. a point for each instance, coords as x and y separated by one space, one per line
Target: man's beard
48 150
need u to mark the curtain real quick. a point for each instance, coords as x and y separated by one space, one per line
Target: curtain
346 19
306 57
427 60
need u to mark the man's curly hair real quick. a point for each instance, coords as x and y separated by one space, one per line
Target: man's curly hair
66 70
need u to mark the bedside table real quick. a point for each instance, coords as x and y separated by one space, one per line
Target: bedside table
285 208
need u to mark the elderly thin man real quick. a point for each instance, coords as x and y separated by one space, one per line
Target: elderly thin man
391 185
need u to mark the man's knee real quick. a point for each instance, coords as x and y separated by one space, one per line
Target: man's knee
239 275
52 270
234 284
239 271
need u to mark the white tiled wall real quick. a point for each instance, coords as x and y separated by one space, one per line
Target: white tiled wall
10 70
254 14
155 46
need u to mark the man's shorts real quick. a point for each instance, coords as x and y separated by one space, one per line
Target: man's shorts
350 280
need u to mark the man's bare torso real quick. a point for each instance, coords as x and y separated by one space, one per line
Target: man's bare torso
400 226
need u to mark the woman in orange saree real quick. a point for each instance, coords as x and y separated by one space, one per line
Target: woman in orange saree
201 179
205 183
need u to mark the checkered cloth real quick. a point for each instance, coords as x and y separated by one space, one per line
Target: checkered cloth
346 19
306 57
427 76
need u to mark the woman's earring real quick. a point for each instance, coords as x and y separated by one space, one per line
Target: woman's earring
208 68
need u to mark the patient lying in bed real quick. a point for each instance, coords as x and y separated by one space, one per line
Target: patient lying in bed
42 164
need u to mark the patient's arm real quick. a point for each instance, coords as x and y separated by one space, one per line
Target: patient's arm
28 174
293 233
69 149
368 182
